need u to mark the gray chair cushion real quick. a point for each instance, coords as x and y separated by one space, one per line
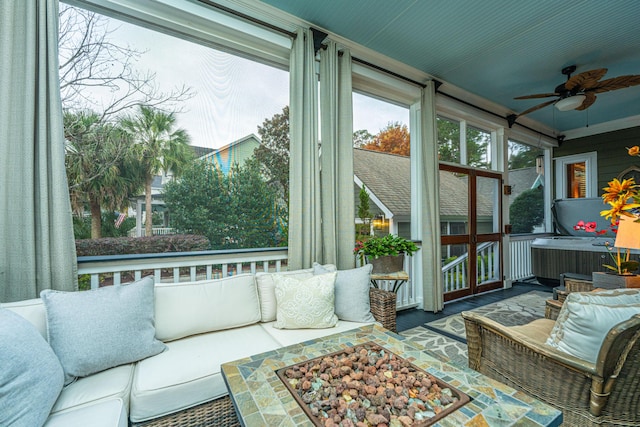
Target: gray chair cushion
352 293
31 377
91 331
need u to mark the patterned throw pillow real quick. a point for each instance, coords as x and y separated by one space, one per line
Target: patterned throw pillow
306 303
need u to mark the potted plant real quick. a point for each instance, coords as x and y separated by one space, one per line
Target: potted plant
386 253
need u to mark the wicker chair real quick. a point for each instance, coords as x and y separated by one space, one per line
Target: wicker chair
604 394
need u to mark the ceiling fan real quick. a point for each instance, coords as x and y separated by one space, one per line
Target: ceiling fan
579 91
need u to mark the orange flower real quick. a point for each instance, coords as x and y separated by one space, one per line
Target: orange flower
619 190
634 151
618 207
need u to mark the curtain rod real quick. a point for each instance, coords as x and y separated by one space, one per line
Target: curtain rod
508 118
248 18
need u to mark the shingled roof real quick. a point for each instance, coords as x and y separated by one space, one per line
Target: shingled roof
388 177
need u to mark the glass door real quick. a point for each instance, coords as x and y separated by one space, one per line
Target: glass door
470 206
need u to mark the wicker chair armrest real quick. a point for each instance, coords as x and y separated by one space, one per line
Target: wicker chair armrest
549 352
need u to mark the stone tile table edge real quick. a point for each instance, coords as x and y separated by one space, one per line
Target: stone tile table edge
263 399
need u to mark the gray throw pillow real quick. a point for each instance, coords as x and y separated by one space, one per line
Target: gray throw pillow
91 331
352 293
31 377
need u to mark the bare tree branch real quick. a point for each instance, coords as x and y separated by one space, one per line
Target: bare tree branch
90 63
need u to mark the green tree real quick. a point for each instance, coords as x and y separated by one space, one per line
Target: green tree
527 210
158 147
364 213
522 156
361 138
449 143
95 158
238 210
273 152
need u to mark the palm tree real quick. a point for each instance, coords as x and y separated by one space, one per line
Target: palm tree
95 155
158 147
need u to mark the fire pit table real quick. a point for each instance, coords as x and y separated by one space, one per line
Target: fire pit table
261 389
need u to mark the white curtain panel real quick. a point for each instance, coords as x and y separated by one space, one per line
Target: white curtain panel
36 233
428 175
305 244
336 157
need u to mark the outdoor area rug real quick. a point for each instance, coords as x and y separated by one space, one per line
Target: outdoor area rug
446 337
453 350
518 310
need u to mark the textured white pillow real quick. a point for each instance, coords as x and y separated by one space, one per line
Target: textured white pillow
586 318
266 289
352 293
305 304
184 309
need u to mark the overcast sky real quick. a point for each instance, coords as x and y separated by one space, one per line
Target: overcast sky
232 95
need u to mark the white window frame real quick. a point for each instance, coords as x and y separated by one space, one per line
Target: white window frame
590 160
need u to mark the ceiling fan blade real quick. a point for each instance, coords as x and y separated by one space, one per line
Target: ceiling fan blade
537 107
590 99
538 95
585 80
616 83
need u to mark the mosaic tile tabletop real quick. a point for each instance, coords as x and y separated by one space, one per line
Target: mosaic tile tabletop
261 399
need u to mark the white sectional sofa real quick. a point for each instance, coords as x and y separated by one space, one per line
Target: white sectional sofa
198 326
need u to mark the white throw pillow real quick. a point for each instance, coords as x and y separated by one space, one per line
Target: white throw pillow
305 304
587 317
91 331
352 293
184 309
266 289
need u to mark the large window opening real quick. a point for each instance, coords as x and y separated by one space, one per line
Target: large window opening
382 167
526 179
168 136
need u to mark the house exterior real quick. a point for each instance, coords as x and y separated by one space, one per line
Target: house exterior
236 152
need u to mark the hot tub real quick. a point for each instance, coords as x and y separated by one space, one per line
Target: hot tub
573 251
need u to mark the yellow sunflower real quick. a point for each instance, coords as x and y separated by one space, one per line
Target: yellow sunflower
619 190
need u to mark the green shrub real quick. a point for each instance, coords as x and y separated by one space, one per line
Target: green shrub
141 245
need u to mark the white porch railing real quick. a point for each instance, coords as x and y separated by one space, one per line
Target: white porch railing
454 274
520 253
192 266
179 267
156 231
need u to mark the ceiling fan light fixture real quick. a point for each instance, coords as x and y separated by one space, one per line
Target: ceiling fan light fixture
570 102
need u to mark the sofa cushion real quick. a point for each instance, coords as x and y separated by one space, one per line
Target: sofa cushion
586 318
91 331
351 293
267 289
32 310
188 374
30 374
307 303
184 309
287 337
114 383
107 413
